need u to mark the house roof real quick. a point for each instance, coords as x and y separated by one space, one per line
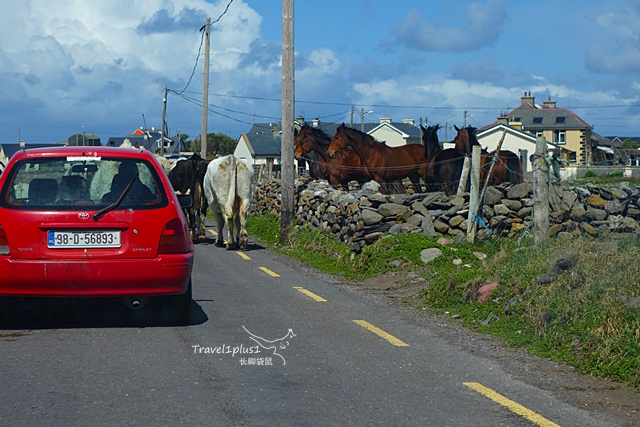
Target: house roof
262 141
544 117
502 127
621 139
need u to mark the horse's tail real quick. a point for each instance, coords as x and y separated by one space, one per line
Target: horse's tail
231 197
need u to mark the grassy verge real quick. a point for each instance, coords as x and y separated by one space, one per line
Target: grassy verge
579 319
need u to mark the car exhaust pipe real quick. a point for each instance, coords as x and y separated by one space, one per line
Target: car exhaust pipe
135 303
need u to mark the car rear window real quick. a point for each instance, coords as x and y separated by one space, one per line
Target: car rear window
69 183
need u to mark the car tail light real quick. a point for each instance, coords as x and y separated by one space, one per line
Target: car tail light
4 242
175 238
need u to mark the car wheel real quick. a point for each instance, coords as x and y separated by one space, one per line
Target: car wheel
179 308
1 315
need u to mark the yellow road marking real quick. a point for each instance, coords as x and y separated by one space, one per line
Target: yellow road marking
243 255
269 272
213 232
393 340
513 406
310 294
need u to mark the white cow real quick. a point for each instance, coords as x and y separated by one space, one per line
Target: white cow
228 188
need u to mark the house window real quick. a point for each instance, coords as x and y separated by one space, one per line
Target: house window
539 134
559 136
560 119
572 157
269 160
537 120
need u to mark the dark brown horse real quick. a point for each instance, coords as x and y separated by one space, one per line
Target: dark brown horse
507 167
444 166
311 143
385 164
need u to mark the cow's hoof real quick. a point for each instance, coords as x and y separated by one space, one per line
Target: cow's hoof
232 246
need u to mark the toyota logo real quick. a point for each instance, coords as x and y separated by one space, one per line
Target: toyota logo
83 215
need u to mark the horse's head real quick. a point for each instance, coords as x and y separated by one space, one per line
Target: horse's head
339 142
430 138
303 142
465 139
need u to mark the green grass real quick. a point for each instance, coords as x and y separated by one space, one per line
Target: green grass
578 319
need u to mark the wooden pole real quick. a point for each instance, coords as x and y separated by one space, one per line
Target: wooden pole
164 112
474 199
496 155
205 94
540 193
464 176
288 98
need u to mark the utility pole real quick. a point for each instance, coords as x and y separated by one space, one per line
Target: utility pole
205 95
465 119
288 99
362 120
164 112
351 117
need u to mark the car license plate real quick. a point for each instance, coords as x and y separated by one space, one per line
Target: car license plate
84 239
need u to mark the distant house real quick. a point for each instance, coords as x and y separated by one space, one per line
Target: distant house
151 140
515 140
629 156
559 126
83 139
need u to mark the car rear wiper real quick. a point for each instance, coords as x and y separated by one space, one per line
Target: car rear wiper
112 206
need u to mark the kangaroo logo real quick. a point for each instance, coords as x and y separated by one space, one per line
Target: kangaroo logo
275 345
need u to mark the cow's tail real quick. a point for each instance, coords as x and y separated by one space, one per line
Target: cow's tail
232 182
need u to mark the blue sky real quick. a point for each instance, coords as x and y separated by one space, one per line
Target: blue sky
100 66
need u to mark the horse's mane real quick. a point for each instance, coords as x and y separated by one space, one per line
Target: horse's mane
359 136
320 136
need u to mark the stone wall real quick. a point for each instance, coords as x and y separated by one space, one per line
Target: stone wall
361 215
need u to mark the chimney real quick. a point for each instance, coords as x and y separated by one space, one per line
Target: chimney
503 119
549 103
409 122
385 119
315 123
528 99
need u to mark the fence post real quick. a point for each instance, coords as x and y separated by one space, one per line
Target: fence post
464 177
540 193
474 198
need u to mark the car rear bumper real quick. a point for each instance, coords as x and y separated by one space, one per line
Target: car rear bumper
165 275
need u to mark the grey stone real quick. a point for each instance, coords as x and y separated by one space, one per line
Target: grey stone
391 209
370 217
428 255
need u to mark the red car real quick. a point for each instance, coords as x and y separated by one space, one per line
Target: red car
93 222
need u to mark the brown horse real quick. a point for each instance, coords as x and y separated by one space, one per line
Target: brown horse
507 167
311 143
444 167
385 164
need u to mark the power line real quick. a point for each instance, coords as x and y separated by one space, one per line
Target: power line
200 47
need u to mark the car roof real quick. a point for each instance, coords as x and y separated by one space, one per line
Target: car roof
133 153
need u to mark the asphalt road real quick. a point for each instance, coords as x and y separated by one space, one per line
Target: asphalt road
262 350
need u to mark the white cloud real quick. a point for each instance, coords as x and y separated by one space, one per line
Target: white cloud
482 26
